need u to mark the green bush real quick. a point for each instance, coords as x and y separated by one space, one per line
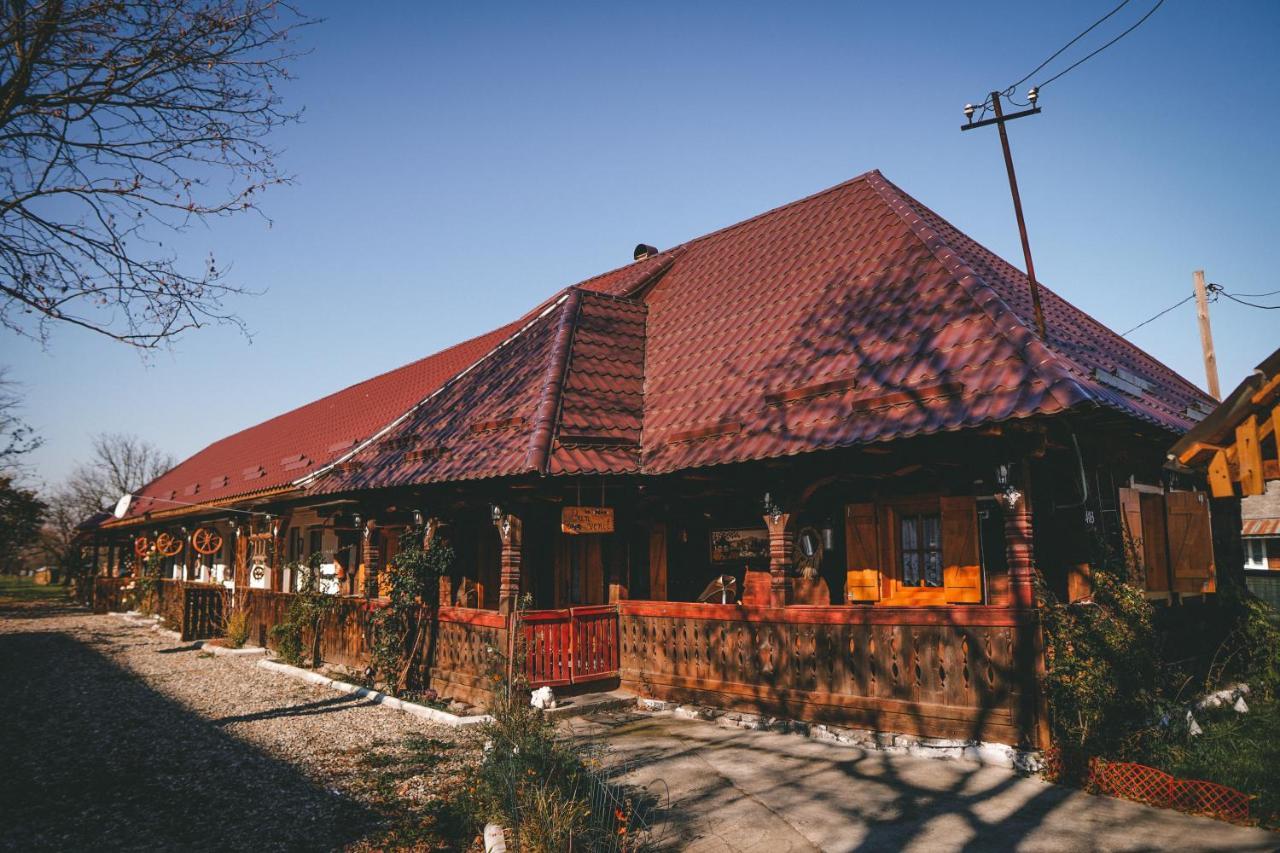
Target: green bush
288 642
1103 673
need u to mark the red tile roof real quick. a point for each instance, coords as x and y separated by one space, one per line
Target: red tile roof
851 316
276 452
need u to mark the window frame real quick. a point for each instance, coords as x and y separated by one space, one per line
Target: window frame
1249 561
894 591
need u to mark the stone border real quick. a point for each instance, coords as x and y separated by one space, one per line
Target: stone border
982 752
423 711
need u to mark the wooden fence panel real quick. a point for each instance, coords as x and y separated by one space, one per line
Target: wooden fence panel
926 671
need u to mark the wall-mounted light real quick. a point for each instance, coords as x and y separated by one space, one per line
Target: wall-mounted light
417 518
495 512
357 520
1002 475
828 538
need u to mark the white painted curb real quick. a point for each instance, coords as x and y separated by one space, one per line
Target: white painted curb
432 714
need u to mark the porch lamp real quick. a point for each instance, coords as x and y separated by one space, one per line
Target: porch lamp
417 518
771 509
495 512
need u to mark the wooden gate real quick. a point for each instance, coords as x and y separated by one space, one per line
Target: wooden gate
572 646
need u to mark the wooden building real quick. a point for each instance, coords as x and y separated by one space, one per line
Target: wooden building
807 465
1236 448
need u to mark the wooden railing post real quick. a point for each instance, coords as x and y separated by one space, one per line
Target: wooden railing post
781 546
509 528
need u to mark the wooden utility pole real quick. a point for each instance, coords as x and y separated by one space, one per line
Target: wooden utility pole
1000 120
1206 336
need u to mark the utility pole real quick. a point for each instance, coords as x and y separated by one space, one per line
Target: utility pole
1000 120
1206 336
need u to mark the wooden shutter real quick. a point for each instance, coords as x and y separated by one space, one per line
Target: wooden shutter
658 562
1190 542
862 553
961 566
1131 526
1155 543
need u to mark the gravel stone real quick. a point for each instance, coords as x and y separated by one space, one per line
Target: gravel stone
116 737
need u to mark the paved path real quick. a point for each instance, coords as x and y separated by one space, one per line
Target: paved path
736 790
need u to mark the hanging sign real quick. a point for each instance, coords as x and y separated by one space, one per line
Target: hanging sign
586 519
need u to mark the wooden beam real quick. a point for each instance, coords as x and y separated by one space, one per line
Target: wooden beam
1195 450
1262 394
1220 476
1250 452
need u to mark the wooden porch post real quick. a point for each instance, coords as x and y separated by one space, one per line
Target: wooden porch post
781 547
372 561
509 578
1018 547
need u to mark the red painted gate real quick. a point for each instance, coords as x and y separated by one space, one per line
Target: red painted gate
572 646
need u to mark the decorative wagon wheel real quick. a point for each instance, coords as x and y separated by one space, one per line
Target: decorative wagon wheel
206 541
168 545
141 546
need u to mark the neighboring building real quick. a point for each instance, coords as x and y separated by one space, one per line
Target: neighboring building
1237 448
836 416
1261 527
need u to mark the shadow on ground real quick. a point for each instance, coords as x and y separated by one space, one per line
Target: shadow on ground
723 790
93 758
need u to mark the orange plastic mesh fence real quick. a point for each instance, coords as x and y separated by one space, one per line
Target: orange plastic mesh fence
1148 785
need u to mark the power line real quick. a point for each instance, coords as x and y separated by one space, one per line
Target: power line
1059 51
1124 334
1255 295
1251 304
1075 65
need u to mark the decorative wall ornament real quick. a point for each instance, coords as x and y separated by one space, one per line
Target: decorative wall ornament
206 541
168 545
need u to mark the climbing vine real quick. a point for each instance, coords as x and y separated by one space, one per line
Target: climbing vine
307 611
404 630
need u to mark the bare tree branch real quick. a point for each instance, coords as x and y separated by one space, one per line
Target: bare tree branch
120 119
17 438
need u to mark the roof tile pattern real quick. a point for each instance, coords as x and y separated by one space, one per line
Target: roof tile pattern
602 401
855 315
483 423
266 456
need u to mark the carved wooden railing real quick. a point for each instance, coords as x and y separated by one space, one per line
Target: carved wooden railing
201 611
965 673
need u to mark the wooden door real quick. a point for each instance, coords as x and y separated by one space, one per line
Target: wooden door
579 570
1155 550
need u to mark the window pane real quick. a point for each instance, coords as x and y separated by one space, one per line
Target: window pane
910 568
909 542
933 568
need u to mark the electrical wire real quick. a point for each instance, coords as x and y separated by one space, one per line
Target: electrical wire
1080 62
1059 51
1157 316
1255 295
1251 304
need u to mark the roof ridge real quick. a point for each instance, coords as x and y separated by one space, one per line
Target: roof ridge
870 174
1035 352
547 415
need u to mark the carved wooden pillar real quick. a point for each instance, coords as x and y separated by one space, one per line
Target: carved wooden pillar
1018 548
372 560
781 547
509 529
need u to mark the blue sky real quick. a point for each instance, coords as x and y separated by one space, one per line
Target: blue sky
458 163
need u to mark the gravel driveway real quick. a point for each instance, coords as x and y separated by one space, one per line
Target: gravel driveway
115 737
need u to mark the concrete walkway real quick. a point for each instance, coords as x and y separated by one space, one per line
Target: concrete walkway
728 790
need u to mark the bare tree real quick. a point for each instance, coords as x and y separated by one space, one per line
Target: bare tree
120 119
16 437
121 464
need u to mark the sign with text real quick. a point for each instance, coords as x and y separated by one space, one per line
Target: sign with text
586 519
